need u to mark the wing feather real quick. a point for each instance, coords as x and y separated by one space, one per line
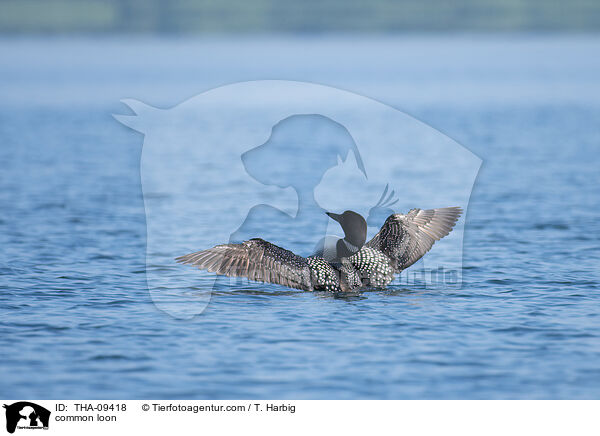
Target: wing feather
255 259
406 238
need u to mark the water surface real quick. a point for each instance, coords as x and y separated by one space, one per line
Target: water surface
77 319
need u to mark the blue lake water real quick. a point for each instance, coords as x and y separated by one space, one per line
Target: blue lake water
77 319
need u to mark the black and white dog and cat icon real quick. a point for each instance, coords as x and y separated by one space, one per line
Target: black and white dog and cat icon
26 415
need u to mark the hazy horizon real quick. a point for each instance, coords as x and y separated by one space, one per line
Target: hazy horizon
287 16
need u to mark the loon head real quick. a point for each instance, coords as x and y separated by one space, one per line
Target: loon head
354 226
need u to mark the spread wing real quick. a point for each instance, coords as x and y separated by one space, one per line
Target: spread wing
255 259
406 238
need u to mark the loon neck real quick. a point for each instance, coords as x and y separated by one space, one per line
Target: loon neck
351 247
356 239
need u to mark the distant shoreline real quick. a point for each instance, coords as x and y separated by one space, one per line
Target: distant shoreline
288 16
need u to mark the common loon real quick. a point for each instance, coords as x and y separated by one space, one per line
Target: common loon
401 241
